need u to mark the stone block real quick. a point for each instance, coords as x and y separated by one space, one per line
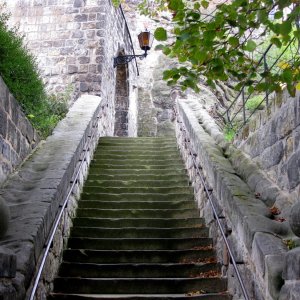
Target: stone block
272 155
264 245
291 270
255 224
293 170
290 290
8 263
3 123
81 18
273 275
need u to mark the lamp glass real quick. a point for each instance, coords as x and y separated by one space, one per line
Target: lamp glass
145 40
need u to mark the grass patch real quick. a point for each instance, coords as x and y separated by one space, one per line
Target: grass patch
19 70
255 103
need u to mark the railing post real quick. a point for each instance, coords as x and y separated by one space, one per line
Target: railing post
265 71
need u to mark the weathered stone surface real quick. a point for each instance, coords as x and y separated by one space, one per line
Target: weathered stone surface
293 170
35 193
8 263
291 269
272 155
290 290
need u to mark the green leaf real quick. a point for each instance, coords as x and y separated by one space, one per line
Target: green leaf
204 4
233 41
285 28
250 46
176 5
276 42
160 34
197 6
278 14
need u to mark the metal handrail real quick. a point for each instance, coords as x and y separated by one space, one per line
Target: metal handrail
216 216
130 39
242 89
267 93
62 208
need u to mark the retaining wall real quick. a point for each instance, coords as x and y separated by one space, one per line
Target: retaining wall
35 193
17 136
272 139
244 196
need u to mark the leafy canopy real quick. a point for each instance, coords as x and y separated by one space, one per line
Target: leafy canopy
218 43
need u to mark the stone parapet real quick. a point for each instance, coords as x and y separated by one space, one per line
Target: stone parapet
35 193
256 235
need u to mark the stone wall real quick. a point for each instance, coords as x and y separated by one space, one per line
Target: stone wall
43 183
254 211
17 136
272 140
75 42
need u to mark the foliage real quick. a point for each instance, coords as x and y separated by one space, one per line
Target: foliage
229 132
19 70
255 103
218 43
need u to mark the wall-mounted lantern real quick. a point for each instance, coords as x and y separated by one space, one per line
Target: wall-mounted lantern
145 40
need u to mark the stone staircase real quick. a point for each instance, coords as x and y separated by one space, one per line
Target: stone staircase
137 234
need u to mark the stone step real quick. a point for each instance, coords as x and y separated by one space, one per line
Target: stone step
116 166
137 213
142 232
142 270
141 190
138 243
189 296
141 149
170 161
134 141
150 156
139 177
140 222
127 182
102 204
137 196
137 172
138 285
203 255
124 151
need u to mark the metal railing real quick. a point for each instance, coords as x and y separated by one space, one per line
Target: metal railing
208 193
130 39
262 62
62 207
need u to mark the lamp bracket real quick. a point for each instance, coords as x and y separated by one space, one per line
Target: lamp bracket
125 59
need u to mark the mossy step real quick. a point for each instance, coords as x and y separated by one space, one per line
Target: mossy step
137 213
137 196
140 222
156 156
142 232
136 204
139 190
127 182
139 148
146 152
136 140
138 270
168 167
136 162
137 244
197 296
139 256
137 172
139 285
139 177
